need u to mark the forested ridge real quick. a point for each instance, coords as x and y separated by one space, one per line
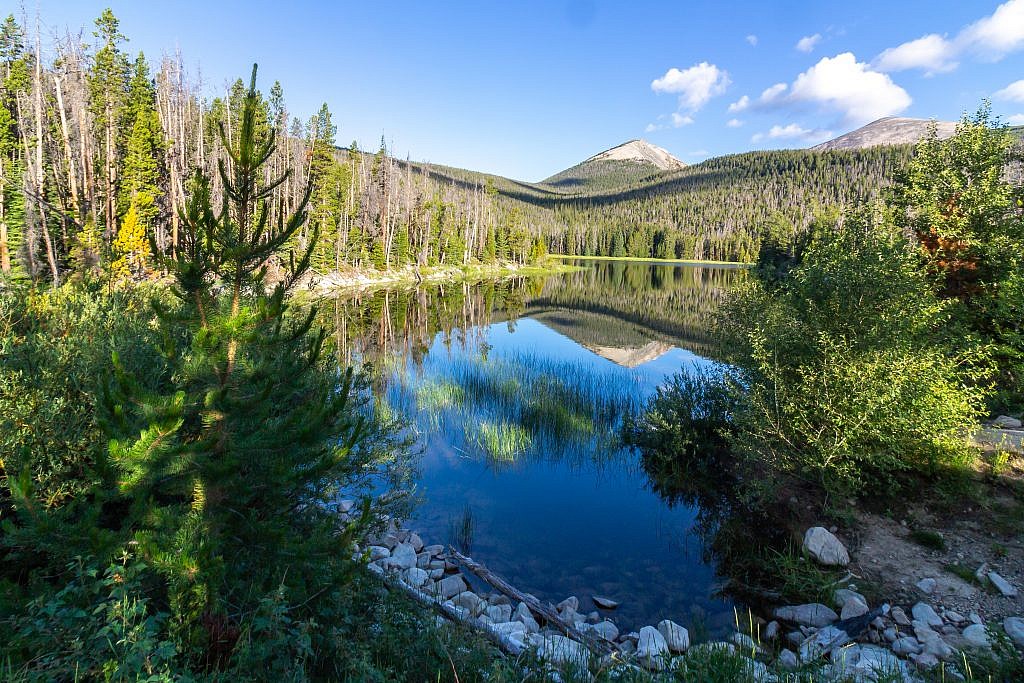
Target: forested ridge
98 148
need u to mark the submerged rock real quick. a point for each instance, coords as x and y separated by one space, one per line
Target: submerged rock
604 603
824 547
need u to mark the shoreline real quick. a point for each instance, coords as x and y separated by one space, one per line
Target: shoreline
410 276
658 261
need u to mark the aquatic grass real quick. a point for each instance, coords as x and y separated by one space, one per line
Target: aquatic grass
461 530
501 441
434 396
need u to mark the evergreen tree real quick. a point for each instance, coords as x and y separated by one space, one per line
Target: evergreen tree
143 155
230 470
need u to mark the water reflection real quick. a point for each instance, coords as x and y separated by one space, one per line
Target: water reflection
516 391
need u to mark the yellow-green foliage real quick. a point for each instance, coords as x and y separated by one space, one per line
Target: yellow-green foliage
131 246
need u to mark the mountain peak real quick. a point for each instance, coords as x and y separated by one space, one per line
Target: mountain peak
891 130
640 151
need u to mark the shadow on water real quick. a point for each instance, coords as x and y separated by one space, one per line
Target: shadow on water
516 392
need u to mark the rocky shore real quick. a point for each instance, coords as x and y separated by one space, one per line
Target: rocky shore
848 639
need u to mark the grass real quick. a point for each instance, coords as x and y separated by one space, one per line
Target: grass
461 530
502 440
800 580
645 259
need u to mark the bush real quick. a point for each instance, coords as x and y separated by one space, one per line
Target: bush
850 376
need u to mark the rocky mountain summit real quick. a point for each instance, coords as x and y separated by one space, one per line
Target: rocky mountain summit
891 130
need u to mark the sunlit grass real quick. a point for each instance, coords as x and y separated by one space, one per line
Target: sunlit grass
501 441
437 396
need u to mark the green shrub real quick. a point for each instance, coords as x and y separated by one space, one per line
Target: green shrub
850 377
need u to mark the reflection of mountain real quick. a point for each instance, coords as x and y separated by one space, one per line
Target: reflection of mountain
630 358
616 339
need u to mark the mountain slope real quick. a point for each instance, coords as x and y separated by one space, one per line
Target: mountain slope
891 130
619 166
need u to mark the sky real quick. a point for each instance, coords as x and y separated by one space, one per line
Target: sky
526 88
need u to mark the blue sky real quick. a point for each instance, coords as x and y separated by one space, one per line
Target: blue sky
525 88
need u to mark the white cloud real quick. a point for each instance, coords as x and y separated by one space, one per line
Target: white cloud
932 53
1016 120
1013 92
843 84
772 93
651 128
990 38
740 104
733 123
807 43
695 86
680 120
792 131
996 36
752 39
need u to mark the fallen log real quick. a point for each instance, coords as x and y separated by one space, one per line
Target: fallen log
596 645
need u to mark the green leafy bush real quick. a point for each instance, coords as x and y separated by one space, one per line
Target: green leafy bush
849 372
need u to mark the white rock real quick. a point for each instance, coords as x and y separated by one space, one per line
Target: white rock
1002 584
402 557
677 637
450 586
900 617
924 612
771 631
433 550
435 574
953 617
925 660
508 628
841 595
812 614
975 618
605 630
907 645
927 586
416 577
976 635
824 547
652 649
500 613
470 601
1014 627
572 602
378 552
853 607
1007 422
559 649
745 644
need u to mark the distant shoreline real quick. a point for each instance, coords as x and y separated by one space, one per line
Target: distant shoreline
645 259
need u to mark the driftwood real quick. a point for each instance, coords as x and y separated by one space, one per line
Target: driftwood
597 645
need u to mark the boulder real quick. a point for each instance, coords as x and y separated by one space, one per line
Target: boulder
905 646
1007 422
853 607
403 556
927 586
771 631
925 613
824 547
899 616
812 614
604 603
559 649
509 628
378 552
976 636
450 586
1014 627
415 541
571 602
652 648
605 630
499 613
676 637
1002 584
470 601
788 660
416 577
841 595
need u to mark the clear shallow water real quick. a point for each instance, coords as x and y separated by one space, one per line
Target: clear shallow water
515 392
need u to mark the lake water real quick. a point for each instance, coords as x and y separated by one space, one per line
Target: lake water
515 391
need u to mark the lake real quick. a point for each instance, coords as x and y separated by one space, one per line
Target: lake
515 392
